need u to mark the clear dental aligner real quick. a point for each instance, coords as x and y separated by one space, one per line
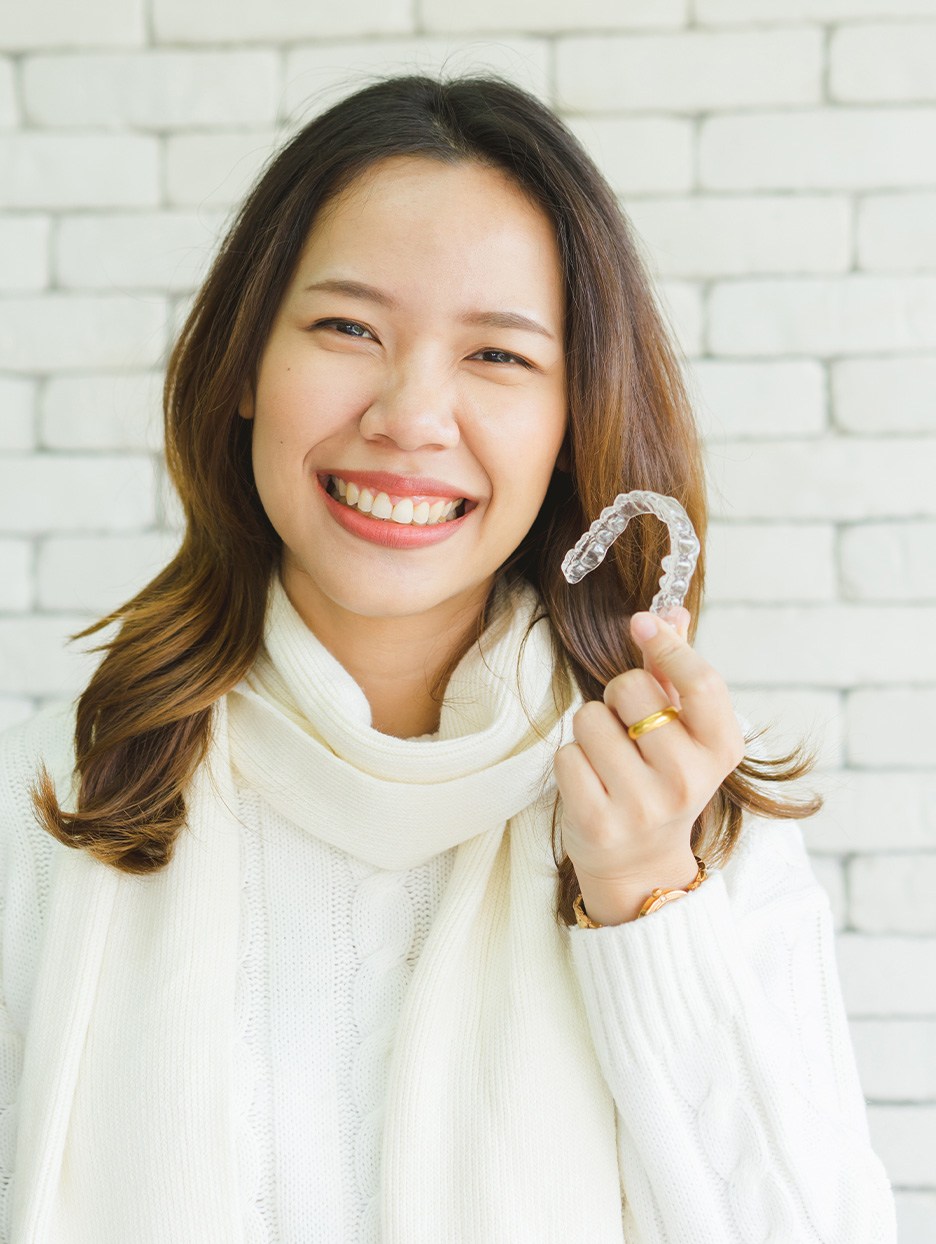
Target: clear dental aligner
679 563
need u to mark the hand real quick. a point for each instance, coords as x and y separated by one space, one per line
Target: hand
629 804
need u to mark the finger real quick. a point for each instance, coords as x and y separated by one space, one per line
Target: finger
679 617
704 700
636 695
627 767
579 784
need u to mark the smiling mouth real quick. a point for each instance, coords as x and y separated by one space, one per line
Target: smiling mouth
418 511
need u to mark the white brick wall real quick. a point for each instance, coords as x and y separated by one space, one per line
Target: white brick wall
829 148
778 161
885 395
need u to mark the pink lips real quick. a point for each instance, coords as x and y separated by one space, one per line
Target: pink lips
385 531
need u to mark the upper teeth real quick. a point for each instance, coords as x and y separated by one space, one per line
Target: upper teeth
405 510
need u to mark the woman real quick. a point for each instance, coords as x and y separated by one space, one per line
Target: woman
315 968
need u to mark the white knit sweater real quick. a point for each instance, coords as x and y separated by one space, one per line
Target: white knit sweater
765 1110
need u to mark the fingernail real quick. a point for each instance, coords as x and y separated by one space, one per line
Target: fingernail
643 626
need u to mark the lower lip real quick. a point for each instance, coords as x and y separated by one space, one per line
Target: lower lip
385 531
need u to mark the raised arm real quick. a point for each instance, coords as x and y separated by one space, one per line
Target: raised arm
719 1024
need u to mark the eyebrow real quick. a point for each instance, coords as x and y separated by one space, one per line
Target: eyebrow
483 319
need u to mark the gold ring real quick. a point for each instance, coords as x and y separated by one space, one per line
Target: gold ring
653 722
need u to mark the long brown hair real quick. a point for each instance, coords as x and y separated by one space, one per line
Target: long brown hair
143 722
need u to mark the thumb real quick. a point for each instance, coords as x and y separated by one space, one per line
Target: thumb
656 644
679 619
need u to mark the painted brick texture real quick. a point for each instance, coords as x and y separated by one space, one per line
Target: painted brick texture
777 159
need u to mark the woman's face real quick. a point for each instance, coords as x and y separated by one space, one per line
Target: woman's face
414 370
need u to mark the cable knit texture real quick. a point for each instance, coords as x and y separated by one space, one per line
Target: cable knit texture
344 1011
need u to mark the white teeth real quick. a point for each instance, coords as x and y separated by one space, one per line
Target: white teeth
406 512
382 507
403 511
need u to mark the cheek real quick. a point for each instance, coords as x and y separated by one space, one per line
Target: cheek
304 406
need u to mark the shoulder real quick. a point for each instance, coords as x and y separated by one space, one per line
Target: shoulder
770 863
769 866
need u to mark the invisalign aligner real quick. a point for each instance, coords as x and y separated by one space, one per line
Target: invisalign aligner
679 563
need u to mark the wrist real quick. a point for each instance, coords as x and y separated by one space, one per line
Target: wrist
612 901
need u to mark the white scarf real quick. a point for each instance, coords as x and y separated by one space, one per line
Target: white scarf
499 1126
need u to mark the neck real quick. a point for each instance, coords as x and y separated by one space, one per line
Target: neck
395 660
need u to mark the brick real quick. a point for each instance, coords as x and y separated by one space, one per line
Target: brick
818 645
163 251
884 395
319 74
34 658
897 232
713 235
866 811
754 11
886 61
215 170
681 303
96 574
169 507
79 170
904 1138
819 149
182 307
770 562
17 401
836 478
102 412
828 872
892 893
742 400
639 155
24 252
284 21
152 90
73 332
93 23
9 109
813 718
844 315
13 710
896 1058
916 1217
15 575
549 15
889 561
70 492
892 728
689 71
887 975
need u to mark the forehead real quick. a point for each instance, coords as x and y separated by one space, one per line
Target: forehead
465 226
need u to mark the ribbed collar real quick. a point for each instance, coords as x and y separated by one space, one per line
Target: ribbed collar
300 731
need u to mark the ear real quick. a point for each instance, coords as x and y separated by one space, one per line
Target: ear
245 407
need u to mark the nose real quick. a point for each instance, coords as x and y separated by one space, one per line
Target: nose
414 410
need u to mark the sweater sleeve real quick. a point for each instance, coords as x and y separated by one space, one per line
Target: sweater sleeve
719 1025
25 865
11 1060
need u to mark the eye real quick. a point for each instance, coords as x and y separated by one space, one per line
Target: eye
348 328
501 356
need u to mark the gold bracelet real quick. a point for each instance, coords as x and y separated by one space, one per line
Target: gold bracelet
656 899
